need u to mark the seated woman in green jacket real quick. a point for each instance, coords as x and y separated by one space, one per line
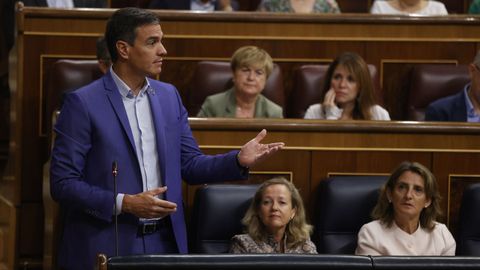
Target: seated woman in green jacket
251 67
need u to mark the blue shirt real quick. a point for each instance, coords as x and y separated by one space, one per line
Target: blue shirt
472 117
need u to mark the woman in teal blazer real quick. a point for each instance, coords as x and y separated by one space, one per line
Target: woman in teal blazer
251 67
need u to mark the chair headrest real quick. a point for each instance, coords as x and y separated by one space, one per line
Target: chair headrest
217 214
432 82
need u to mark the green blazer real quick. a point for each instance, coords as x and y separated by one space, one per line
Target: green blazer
224 105
474 7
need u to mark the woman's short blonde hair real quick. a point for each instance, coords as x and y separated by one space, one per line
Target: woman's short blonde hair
298 231
247 56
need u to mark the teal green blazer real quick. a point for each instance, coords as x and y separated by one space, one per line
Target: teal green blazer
224 105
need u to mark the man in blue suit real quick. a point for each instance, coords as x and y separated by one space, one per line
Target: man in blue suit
129 123
463 106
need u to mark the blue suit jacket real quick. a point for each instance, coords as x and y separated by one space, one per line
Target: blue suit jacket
92 131
448 109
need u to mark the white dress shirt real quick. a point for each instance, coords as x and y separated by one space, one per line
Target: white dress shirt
143 129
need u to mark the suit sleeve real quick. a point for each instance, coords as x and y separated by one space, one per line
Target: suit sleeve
198 168
366 242
433 114
71 148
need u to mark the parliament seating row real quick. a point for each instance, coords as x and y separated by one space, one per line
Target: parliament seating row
428 83
346 6
344 204
286 261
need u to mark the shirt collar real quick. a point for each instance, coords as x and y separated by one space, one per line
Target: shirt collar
125 91
468 103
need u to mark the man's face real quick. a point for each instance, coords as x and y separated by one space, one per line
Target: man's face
145 57
475 78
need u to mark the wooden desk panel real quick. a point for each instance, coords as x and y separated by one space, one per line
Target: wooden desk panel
356 148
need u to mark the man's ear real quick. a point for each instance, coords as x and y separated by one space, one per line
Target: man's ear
122 49
471 70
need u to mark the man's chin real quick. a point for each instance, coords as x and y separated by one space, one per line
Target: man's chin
154 74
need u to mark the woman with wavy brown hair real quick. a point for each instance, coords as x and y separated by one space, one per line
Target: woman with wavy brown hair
347 92
405 217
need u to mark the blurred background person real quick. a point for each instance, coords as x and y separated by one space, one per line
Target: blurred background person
251 66
201 5
463 106
103 56
299 6
408 7
347 92
474 7
405 217
275 222
66 3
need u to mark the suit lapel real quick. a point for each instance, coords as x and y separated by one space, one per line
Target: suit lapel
116 101
159 123
460 111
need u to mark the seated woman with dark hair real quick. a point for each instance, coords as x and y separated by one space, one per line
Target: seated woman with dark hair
275 222
347 92
406 214
251 67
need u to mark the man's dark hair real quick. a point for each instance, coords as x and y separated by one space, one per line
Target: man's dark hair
123 26
102 50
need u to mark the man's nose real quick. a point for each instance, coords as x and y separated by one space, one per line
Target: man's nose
161 50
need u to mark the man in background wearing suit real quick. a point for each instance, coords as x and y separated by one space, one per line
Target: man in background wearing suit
463 106
128 122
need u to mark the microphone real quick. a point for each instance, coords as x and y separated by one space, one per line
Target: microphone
114 174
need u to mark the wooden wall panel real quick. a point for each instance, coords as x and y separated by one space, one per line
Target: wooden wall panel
8 232
338 150
292 164
454 171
